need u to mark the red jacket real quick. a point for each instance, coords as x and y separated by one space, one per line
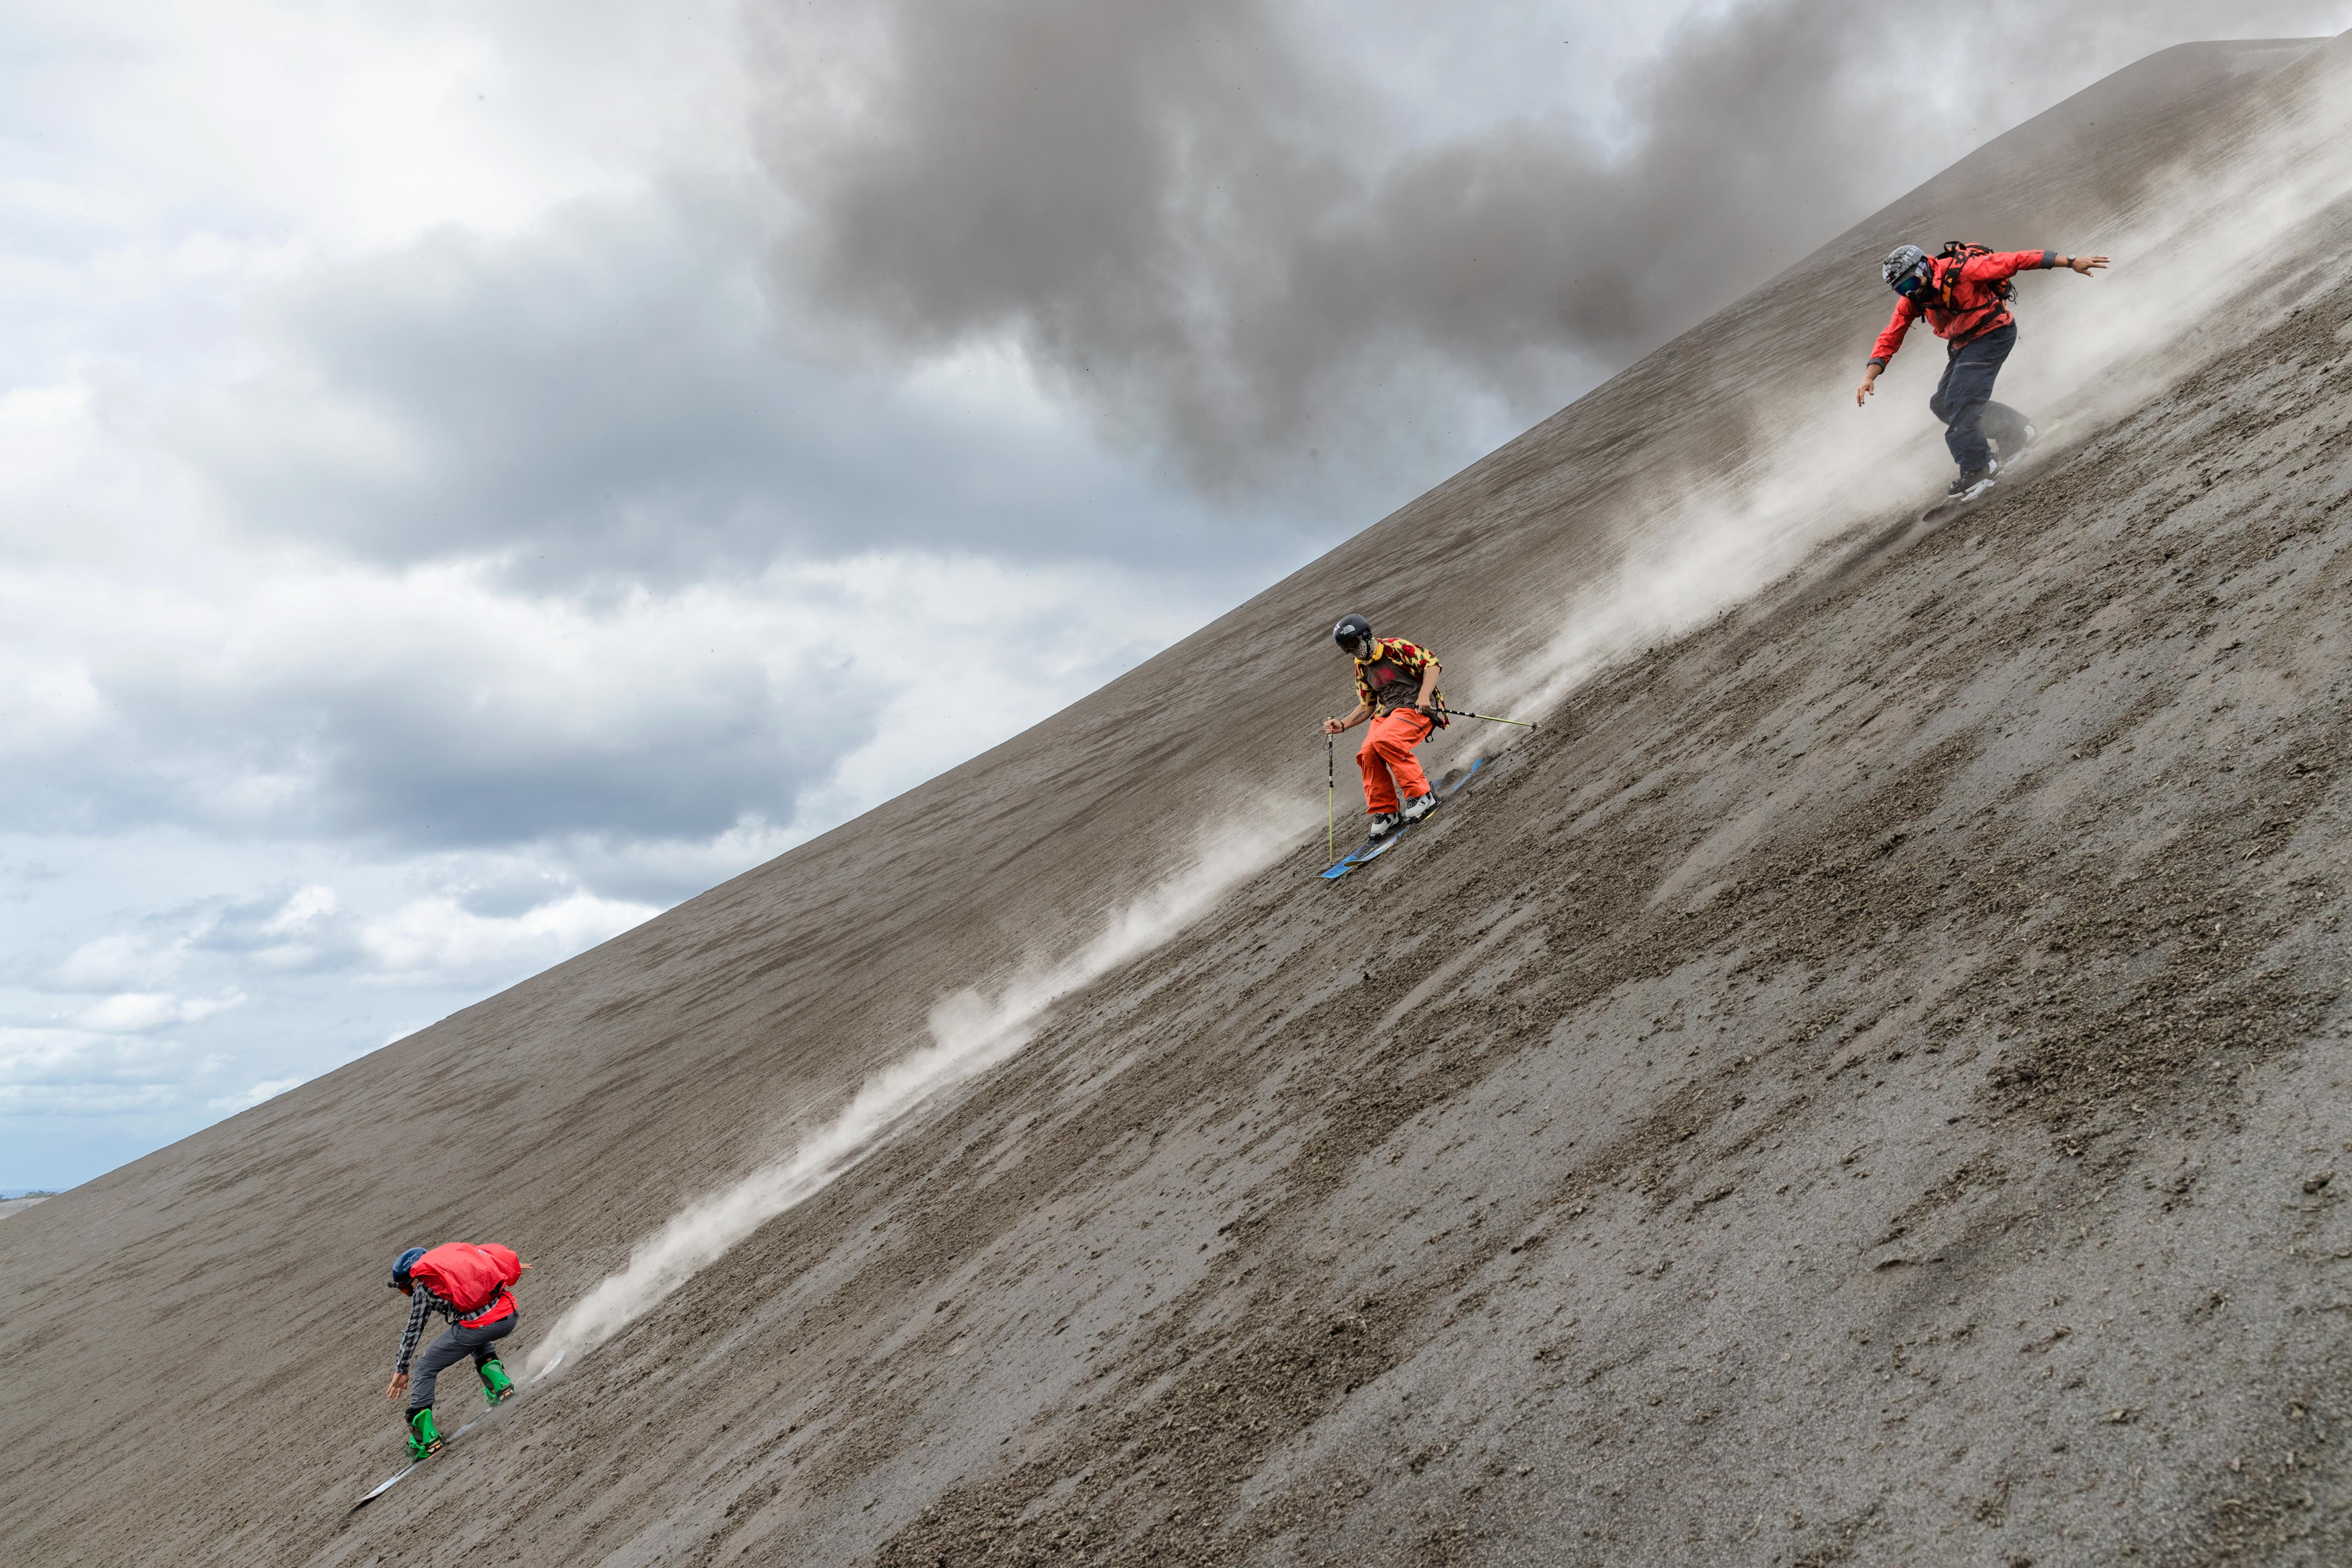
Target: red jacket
1961 303
471 1279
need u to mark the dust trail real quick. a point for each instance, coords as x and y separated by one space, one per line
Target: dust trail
969 1034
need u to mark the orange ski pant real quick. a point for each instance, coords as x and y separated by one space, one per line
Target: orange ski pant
1386 755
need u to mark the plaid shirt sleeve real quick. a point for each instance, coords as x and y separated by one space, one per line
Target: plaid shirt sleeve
422 1304
1402 654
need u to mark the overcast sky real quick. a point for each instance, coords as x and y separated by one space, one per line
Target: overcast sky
474 476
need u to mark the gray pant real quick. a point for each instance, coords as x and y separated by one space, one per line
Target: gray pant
456 1343
1963 400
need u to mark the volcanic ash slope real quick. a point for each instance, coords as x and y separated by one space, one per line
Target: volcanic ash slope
1863 1082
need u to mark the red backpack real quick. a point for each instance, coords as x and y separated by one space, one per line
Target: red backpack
1961 252
470 1278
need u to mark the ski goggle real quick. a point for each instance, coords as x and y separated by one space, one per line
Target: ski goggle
1912 284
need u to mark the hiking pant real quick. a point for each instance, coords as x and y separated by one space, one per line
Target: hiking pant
1963 400
1387 754
456 1343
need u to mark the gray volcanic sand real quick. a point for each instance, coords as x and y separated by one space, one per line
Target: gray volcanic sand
1863 1083
18 1205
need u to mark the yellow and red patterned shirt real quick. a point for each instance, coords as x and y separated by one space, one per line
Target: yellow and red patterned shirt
1391 677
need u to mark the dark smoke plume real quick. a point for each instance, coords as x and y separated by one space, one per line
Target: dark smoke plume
1233 255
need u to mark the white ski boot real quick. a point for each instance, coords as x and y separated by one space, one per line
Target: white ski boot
1974 483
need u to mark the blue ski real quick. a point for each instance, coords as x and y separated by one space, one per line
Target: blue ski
1373 848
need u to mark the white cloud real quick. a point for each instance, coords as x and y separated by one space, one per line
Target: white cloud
304 930
144 1012
435 705
121 958
434 940
304 908
269 1088
74 1072
355 124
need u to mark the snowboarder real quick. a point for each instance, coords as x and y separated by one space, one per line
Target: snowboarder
468 1285
1964 291
1396 688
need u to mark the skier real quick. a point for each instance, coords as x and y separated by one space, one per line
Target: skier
1396 688
1964 292
468 1285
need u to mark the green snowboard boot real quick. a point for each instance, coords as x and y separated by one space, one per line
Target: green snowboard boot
424 1439
496 1387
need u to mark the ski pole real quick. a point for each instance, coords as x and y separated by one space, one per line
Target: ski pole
1330 799
1459 713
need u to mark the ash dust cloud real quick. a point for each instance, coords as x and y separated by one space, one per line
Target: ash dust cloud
971 1033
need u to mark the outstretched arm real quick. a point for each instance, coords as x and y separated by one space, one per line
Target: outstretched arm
1356 716
2009 263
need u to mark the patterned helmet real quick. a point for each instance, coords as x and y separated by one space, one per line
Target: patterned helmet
1901 262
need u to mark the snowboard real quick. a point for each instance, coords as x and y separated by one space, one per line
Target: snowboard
1951 506
451 1440
1373 848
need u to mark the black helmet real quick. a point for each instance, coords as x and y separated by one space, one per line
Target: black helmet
1354 636
402 1265
1902 264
